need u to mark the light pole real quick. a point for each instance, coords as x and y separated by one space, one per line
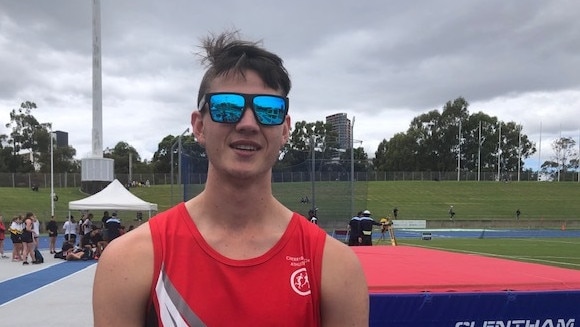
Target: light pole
177 142
459 152
499 154
352 167
479 154
51 174
312 169
519 152
540 152
352 140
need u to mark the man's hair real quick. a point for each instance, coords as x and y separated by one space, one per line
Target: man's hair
226 54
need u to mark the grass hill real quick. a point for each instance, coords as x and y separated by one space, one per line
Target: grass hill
415 200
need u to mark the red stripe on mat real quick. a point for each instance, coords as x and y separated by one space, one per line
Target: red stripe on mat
406 269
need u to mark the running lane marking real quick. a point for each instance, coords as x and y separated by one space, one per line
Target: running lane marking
17 287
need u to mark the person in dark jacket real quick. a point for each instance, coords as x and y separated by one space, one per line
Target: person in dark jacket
354 234
113 226
366 226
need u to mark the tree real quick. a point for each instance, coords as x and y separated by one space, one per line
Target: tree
22 137
565 157
191 149
435 140
398 154
194 155
361 160
121 153
381 160
162 157
303 137
63 160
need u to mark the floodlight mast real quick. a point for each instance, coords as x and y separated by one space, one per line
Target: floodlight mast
352 140
352 167
51 173
97 132
459 152
312 172
179 149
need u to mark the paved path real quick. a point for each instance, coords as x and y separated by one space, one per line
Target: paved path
55 293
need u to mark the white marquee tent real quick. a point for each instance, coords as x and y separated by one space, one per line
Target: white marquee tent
113 197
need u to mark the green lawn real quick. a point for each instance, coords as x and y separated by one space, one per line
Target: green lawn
476 200
561 252
415 200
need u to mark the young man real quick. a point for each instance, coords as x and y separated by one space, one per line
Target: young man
233 255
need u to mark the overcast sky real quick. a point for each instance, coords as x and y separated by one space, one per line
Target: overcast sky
384 62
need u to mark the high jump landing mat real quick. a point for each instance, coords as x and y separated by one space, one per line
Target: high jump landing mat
413 286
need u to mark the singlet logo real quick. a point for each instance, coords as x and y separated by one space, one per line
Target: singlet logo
299 282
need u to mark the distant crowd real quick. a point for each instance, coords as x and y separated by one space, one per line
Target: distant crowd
83 240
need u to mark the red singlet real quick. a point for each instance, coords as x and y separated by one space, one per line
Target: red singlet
193 285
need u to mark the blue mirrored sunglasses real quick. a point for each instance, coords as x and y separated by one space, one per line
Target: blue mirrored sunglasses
228 108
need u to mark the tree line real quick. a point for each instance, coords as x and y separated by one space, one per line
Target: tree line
435 141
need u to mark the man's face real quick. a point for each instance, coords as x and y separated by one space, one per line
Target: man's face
244 149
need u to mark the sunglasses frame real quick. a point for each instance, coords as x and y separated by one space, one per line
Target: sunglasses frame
248 99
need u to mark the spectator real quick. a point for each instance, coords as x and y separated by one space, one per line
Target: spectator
28 240
2 237
113 227
35 231
451 213
70 230
16 227
312 216
106 217
52 229
87 226
94 241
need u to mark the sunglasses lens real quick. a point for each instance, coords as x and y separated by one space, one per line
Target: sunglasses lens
270 110
226 108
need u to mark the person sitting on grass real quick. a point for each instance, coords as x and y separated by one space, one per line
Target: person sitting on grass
94 241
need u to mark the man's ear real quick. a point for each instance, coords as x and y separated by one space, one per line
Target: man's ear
286 131
197 126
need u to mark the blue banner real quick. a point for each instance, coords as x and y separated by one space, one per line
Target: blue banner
478 309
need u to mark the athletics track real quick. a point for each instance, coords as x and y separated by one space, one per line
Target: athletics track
58 293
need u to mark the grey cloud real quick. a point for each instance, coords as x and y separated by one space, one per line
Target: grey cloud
371 59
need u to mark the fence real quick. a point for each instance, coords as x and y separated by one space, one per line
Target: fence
74 179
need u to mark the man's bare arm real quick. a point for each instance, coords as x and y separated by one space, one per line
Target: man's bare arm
345 297
123 280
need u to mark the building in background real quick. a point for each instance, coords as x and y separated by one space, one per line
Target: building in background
341 125
60 139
